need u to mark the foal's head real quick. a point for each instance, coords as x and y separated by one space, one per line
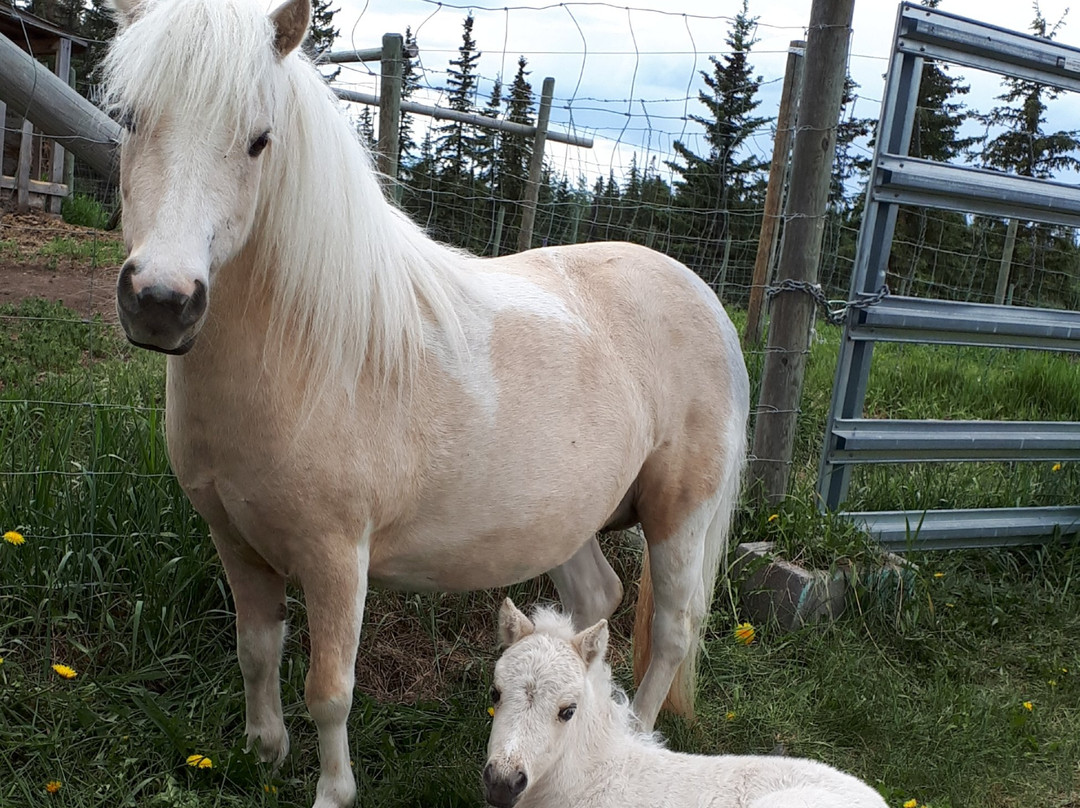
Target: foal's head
198 86
542 691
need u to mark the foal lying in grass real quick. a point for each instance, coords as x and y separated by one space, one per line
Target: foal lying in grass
562 737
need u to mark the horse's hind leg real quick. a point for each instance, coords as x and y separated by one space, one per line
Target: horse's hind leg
259 594
588 587
676 562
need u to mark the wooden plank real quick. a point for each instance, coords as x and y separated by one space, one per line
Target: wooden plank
56 168
390 110
22 173
46 188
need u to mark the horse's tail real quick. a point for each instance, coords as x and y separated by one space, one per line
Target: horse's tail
680 698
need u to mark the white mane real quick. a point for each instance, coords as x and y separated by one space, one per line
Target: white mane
341 264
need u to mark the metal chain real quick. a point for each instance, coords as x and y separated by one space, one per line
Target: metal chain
832 315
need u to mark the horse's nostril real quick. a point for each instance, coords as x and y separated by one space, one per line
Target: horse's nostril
489 774
520 781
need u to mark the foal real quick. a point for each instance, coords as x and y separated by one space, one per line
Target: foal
564 738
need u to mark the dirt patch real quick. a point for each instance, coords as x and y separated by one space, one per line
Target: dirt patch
79 283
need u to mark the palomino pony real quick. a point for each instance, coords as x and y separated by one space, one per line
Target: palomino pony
563 736
349 401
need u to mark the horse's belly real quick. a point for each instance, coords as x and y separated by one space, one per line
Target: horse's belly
447 561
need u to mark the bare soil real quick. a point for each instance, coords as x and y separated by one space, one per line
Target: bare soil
76 283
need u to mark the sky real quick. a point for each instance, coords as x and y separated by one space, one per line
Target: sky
630 76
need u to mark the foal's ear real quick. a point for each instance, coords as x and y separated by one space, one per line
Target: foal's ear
592 642
513 625
290 25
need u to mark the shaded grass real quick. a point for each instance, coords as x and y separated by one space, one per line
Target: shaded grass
919 688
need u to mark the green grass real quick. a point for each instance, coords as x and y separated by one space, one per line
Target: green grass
919 688
84 210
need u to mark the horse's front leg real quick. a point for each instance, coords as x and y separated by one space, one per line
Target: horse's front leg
259 594
334 578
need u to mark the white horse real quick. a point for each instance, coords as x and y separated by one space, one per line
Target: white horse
349 401
562 737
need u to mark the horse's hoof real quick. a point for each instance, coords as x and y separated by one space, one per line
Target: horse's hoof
271 747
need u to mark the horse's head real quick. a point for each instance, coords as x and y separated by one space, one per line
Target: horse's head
197 86
541 692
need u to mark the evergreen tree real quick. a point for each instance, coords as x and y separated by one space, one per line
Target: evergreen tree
1046 253
322 33
724 173
487 142
456 140
514 153
365 126
850 161
718 191
410 83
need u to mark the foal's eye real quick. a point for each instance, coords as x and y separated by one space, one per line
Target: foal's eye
566 713
258 144
495 695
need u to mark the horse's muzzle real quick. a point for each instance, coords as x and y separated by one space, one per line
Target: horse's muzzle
500 791
157 317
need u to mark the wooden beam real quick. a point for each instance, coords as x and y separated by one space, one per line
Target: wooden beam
35 187
58 111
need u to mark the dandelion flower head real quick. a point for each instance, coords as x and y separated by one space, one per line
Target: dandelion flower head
744 633
65 671
14 537
53 786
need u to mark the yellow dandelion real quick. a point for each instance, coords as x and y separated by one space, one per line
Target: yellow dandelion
774 517
270 789
66 671
939 574
200 761
911 803
730 716
1052 682
14 537
491 711
1056 467
1029 706
744 633
53 786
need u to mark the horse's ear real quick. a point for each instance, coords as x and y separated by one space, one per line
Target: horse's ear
513 625
290 25
592 642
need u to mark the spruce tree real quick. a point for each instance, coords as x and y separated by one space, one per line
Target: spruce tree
322 33
514 153
410 83
456 143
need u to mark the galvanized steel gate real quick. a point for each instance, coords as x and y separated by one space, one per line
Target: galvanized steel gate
897 179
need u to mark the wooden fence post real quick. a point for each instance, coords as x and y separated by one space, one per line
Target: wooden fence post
56 167
1006 264
390 110
536 165
792 311
774 195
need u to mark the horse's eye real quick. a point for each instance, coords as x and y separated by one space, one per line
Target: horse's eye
566 713
495 695
258 144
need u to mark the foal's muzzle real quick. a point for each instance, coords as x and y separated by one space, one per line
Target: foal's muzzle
503 791
158 317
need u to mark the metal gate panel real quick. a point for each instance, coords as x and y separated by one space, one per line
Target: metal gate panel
895 179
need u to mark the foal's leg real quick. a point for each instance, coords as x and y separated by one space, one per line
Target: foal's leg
334 579
588 587
676 558
259 594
